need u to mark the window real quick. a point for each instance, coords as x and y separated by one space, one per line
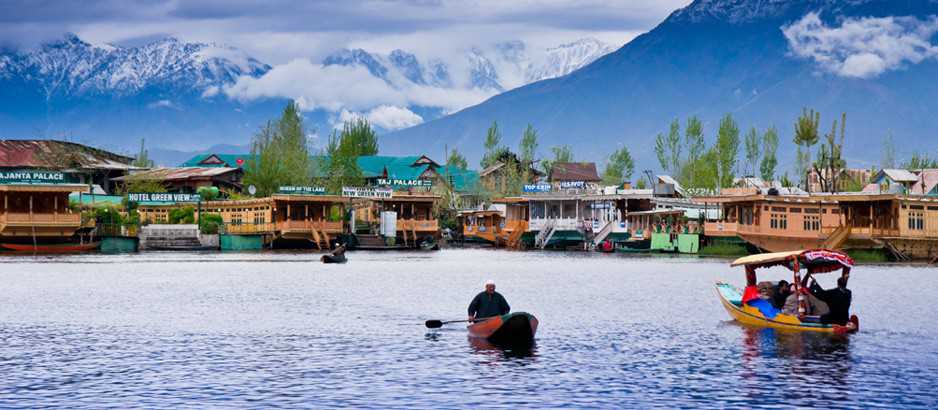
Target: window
812 223
916 220
569 209
537 210
778 221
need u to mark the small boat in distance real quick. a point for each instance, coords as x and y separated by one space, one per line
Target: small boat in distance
815 261
513 329
52 248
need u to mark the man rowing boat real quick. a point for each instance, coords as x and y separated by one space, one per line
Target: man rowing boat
488 303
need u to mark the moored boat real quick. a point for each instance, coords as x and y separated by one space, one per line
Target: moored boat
516 328
750 310
51 248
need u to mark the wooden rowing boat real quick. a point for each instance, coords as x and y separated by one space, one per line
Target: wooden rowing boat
511 329
51 248
752 316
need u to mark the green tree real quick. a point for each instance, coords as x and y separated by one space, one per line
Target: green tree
919 161
341 161
279 154
143 157
562 153
888 160
752 152
360 137
830 164
457 160
493 140
619 167
727 150
806 136
696 147
138 183
668 149
769 151
528 146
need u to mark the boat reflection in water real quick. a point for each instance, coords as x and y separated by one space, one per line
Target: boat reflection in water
483 346
802 354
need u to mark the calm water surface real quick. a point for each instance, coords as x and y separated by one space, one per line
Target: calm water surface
170 330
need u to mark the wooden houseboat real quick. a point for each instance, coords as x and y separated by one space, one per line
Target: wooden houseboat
505 223
905 226
414 221
38 218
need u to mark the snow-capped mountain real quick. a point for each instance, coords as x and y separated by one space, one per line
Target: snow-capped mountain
501 67
74 68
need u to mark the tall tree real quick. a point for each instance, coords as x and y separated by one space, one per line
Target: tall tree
562 153
619 167
830 164
769 151
341 162
457 160
727 150
668 149
752 152
919 161
493 140
806 136
143 157
696 147
360 137
279 154
888 160
528 146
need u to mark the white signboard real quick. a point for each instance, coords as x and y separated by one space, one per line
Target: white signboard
362 192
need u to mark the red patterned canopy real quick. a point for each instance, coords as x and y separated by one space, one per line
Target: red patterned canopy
824 260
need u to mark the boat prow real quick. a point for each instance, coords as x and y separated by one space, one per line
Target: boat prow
512 329
731 299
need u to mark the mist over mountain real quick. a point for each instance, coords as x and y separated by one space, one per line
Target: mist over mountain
182 97
760 60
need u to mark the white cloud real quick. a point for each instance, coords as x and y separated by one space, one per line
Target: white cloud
163 104
863 47
388 117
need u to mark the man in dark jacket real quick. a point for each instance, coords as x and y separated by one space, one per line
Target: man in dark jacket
838 301
488 303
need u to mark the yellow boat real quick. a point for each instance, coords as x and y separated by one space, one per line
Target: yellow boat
815 261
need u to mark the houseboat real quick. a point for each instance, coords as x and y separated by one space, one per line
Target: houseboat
394 220
904 226
36 216
504 223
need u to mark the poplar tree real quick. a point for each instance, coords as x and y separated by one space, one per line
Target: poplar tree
727 150
806 136
752 152
769 154
619 167
279 154
492 144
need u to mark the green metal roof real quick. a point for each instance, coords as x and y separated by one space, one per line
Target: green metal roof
230 160
463 180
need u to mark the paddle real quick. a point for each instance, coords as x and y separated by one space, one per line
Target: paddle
436 324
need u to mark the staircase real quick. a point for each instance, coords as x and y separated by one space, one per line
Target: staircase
171 237
515 238
603 233
543 237
371 241
837 238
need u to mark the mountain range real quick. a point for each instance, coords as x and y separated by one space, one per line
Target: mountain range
760 60
177 96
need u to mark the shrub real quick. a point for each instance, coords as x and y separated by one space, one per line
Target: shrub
209 223
184 215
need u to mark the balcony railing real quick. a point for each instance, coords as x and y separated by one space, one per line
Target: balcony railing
37 219
418 225
308 226
247 228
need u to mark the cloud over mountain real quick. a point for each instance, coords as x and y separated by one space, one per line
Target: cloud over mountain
863 47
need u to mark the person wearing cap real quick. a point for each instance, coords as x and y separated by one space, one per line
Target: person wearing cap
488 303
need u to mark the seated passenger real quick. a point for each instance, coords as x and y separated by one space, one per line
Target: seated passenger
790 307
838 301
782 291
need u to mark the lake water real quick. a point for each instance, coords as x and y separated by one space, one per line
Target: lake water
170 330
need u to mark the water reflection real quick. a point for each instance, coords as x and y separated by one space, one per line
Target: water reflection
805 355
484 347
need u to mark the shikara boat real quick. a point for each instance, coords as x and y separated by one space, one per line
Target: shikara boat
749 312
51 248
511 329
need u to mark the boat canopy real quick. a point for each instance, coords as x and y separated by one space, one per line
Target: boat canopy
816 260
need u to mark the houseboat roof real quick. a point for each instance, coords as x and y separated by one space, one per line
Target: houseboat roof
44 188
177 174
217 160
510 200
480 212
574 171
897 175
658 212
54 154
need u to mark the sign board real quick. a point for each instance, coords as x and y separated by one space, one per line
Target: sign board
572 184
405 183
362 192
302 190
162 197
600 205
536 188
36 177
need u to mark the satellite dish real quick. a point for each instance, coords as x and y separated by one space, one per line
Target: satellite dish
252 189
